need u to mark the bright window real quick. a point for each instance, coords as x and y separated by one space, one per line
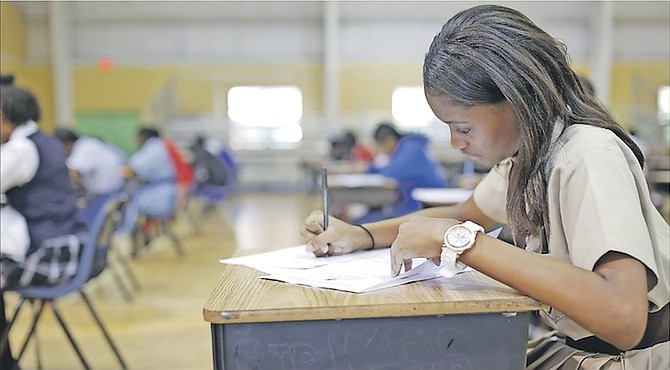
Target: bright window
265 117
410 109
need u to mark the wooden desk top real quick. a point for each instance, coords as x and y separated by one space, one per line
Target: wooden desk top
241 297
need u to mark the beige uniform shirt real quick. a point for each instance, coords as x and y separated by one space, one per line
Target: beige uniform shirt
598 202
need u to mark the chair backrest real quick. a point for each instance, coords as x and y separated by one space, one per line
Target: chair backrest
93 256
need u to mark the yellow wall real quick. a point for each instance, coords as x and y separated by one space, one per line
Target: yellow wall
12 60
364 88
12 36
368 87
634 91
122 89
130 88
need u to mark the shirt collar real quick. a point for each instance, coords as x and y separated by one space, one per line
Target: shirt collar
558 130
24 130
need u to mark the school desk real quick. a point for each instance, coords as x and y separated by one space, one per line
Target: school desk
467 322
429 197
313 168
372 190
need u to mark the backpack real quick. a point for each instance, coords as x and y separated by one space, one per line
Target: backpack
209 170
184 172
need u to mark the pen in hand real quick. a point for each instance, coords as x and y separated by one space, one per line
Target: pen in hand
324 189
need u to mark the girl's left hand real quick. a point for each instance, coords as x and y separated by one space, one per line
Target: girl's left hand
420 237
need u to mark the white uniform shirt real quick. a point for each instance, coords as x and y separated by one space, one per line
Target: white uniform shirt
98 164
18 164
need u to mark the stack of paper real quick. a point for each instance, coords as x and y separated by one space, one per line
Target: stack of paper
357 272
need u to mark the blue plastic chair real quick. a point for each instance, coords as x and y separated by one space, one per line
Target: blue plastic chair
93 261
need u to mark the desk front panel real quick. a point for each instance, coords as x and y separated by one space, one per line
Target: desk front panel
466 341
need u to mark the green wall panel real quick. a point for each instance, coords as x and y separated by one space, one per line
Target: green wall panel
117 128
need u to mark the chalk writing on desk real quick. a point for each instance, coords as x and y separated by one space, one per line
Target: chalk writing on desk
427 343
397 347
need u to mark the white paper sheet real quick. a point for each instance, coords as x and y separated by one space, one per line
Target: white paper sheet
357 272
293 258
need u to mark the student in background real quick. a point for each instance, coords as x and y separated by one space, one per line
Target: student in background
338 150
95 166
183 173
210 173
14 239
227 156
6 79
151 172
567 180
36 183
355 151
409 163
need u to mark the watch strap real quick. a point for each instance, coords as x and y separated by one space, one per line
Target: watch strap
450 265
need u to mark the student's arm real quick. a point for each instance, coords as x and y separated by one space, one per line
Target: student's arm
342 238
609 301
385 231
127 172
75 178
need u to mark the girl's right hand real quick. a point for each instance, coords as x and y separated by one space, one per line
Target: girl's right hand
340 237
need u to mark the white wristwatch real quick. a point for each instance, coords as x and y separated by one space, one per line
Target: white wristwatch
458 239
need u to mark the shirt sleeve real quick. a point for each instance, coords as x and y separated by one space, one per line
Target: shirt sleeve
600 208
18 163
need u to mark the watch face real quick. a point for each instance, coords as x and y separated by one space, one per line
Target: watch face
459 237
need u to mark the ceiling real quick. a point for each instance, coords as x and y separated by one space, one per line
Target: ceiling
312 11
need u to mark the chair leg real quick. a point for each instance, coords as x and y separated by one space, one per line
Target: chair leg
102 328
125 292
5 332
177 244
126 267
69 335
193 220
37 313
132 277
142 235
38 354
167 230
138 241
